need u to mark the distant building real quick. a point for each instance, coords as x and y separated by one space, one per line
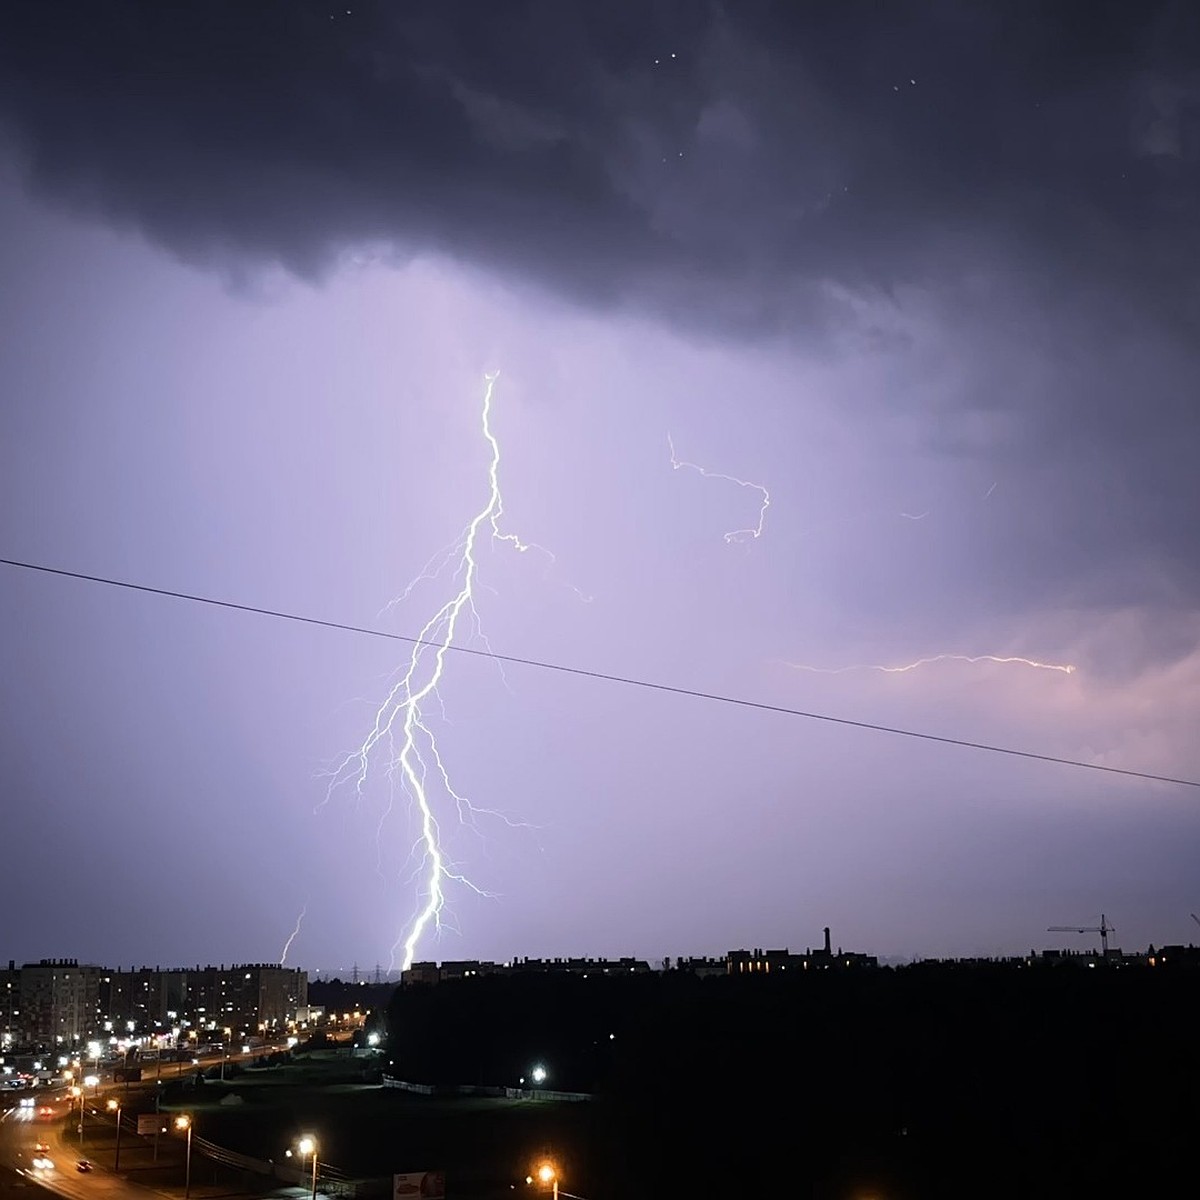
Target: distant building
430 972
467 969
62 1002
1173 957
742 962
579 966
10 1004
248 997
59 1001
421 972
703 968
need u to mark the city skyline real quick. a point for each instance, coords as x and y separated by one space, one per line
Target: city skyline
846 368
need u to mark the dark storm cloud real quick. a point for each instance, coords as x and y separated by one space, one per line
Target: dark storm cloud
997 201
630 151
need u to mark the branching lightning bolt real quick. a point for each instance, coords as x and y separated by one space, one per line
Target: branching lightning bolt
402 731
734 535
292 936
1065 668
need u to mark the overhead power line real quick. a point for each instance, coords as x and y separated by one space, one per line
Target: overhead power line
584 673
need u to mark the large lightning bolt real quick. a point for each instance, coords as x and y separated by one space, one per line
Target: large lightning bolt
1065 668
402 731
292 936
734 535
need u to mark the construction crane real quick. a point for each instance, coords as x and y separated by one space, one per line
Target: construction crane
1103 929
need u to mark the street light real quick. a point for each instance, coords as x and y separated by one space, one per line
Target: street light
78 1091
183 1121
114 1106
546 1174
308 1145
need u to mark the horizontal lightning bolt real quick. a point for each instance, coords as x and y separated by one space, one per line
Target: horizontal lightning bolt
1065 668
734 535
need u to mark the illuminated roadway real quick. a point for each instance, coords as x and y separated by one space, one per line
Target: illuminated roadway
18 1141
19 1135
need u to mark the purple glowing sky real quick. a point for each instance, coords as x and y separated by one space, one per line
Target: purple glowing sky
257 262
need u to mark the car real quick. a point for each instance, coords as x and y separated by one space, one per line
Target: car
83 1165
43 1164
42 1148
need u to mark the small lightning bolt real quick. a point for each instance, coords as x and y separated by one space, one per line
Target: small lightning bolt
1065 668
402 732
734 535
292 936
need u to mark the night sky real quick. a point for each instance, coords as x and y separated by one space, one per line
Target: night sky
929 274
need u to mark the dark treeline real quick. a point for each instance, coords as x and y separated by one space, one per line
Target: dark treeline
339 995
915 1082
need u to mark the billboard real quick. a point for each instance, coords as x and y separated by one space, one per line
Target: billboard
150 1123
419 1185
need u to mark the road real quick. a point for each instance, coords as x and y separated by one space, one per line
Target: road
23 1129
19 1139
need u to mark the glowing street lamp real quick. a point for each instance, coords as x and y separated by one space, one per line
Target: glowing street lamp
182 1122
78 1091
545 1173
538 1074
308 1145
114 1106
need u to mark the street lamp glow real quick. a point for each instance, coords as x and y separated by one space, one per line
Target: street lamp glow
182 1122
308 1145
114 1107
538 1074
547 1176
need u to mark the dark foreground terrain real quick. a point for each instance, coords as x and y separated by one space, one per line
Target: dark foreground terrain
918 1082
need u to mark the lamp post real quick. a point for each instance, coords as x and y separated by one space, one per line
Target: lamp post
308 1145
114 1106
78 1091
547 1173
185 1122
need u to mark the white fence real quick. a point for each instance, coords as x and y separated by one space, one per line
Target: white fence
470 1089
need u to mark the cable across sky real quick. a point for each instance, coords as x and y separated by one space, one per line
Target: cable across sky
585 673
